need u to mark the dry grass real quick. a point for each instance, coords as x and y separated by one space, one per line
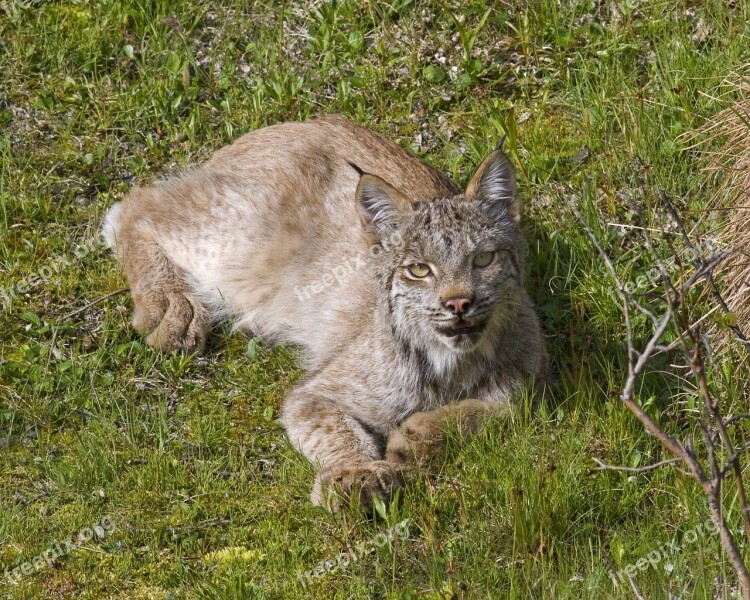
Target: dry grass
209 500
730 165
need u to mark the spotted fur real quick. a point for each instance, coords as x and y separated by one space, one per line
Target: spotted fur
308 233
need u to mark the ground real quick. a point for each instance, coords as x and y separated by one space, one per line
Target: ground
168 475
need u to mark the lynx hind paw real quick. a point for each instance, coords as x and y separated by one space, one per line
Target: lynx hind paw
337 488
177 323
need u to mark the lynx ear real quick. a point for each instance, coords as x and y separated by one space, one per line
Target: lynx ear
494 187
381 206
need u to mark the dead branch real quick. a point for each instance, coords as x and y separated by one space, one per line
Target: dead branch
676 314
93 303
602 466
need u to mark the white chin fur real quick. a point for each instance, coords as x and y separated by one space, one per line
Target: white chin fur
445 352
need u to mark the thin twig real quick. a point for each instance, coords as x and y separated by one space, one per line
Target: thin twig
713 407
94 302
734 418
676 313
605 467
613 273
732 460
636 591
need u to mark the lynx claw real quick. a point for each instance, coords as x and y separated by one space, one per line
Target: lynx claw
360 484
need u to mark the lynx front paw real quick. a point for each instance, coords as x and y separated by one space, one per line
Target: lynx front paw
335 488
421 439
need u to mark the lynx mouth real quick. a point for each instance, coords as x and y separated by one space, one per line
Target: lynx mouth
462 327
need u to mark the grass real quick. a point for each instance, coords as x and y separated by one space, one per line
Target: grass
184 454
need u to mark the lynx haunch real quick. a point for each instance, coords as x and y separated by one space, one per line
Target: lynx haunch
405 294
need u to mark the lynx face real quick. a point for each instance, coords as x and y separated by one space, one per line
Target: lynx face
456 276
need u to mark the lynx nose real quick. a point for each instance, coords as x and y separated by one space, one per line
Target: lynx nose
457 306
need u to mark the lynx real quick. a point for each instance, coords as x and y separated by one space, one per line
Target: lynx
405 294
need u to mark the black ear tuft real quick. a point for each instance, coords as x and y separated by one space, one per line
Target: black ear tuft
494 187
356 168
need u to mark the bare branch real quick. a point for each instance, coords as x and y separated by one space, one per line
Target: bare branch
735 418
613 273
689 334
733 459
699 370
636 591
94 302
605 467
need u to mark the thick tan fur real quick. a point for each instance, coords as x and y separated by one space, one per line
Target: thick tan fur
308 234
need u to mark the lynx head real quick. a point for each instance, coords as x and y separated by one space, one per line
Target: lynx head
449 270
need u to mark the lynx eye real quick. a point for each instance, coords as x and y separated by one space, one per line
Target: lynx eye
483 259
419 270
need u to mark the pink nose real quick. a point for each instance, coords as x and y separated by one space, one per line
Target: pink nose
458 306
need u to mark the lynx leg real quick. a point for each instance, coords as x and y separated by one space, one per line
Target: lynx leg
165 311
421 439
350 455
